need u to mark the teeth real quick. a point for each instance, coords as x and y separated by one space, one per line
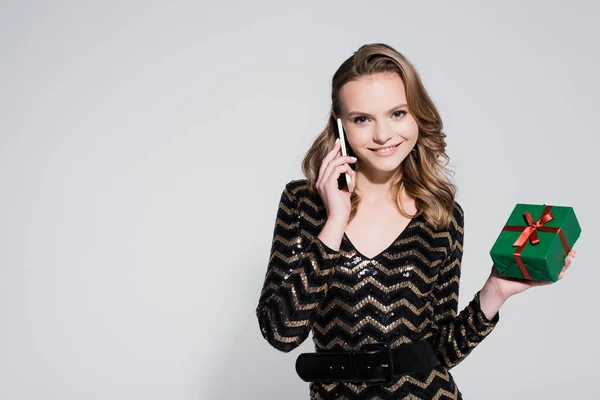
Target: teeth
387 149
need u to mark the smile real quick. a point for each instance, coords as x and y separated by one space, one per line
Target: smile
386 151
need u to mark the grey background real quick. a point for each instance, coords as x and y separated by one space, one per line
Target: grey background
144 147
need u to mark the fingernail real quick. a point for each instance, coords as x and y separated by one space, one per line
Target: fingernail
337 140
354 158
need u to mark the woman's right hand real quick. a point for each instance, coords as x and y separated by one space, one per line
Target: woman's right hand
336 201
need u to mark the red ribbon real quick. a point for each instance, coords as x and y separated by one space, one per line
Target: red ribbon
529 234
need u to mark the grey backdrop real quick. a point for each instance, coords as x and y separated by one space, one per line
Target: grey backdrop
144 146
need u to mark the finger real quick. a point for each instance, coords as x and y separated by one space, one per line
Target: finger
328 157
564 268
332 179
336 171
333 164
352 177
332 154
568 260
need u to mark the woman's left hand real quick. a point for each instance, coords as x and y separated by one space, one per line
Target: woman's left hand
507 286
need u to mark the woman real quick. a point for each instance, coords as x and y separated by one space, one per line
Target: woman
375 273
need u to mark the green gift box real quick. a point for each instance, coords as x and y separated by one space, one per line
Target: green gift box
535 242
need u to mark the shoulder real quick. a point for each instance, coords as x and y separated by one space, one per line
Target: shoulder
297 187
296 191
457 223
458 214
311 209
299 191
453 219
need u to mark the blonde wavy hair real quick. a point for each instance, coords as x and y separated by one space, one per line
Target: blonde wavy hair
424 172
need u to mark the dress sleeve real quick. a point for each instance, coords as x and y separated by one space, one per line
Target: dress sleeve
455 336
296 281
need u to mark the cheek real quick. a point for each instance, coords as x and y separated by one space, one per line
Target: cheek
413 129
358 141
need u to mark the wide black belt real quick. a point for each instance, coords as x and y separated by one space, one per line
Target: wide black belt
374 363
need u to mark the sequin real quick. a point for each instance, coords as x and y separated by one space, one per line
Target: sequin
408 293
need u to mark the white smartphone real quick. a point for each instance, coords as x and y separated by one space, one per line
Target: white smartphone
344 152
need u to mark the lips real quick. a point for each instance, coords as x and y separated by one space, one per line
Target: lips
380 148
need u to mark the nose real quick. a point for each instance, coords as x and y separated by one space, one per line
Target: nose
383 132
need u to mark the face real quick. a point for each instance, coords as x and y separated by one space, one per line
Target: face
375 115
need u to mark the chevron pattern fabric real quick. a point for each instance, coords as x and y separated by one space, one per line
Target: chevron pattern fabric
407 293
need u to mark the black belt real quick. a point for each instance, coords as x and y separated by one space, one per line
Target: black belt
374 363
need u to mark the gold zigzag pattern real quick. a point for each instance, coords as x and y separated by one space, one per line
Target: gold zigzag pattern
386 289
316 223
288 243
359 388
300 270
368 320
450 266
287 226
367 339
424 385
305 284
278 337
287 210
419 238
339 342
338 322
403 340
388 272
452 296
300 187
290 288
464 337
311 204
284 312
413 252
371 300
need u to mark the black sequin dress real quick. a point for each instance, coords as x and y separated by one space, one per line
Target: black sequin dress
407 293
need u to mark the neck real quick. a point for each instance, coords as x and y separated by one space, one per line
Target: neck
375 186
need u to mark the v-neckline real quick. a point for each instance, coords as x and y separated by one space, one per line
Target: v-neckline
388 247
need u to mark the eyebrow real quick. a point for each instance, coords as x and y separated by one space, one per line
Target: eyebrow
369 115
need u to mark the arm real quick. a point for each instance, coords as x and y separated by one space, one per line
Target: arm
490 298
297 278
455 336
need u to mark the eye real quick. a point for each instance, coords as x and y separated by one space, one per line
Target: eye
356 120
395 114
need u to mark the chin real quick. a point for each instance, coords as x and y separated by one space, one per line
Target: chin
387 163
387 166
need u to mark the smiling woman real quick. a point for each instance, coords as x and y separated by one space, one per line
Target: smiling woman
375 273
379 96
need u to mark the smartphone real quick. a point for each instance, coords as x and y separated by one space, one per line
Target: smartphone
344 153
